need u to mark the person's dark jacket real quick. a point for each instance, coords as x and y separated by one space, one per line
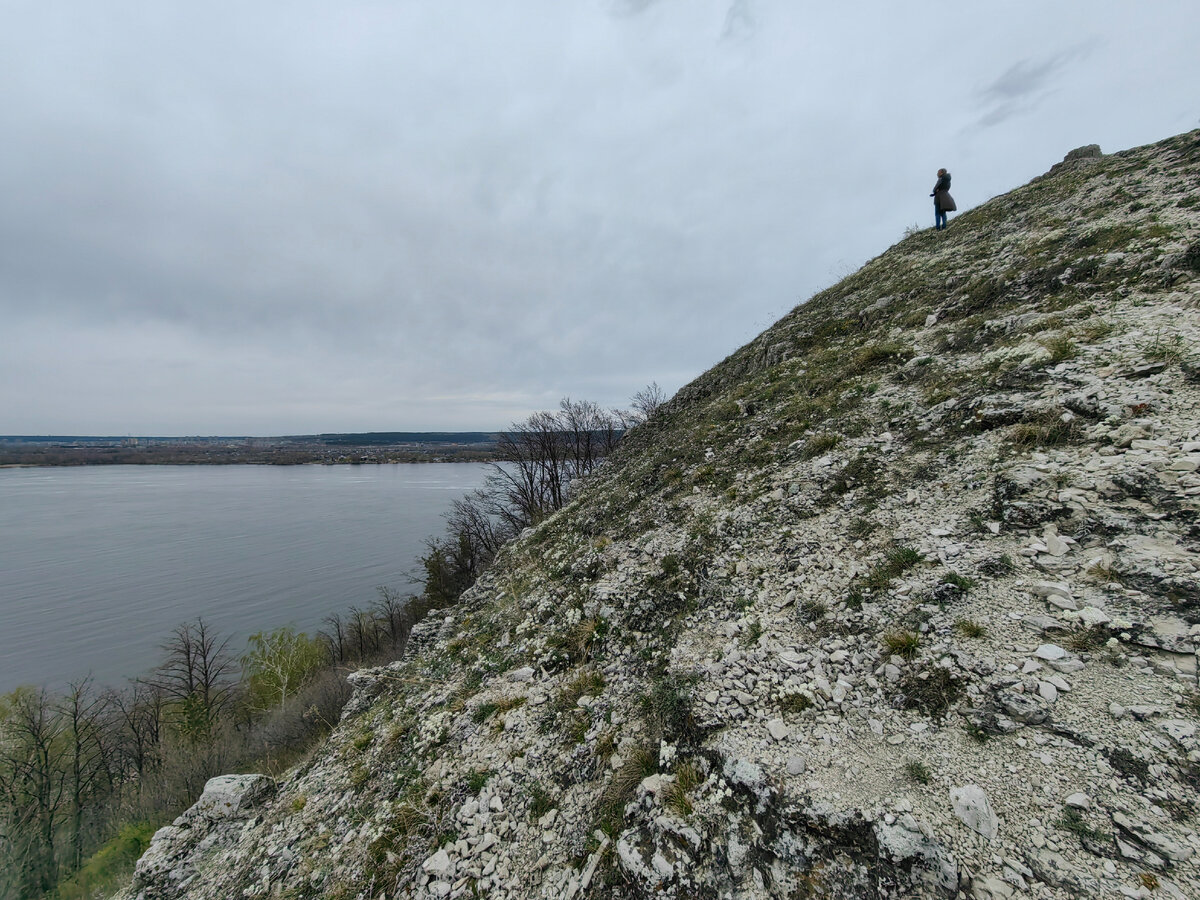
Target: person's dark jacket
941 194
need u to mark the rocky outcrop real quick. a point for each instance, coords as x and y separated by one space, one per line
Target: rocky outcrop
899 600
177 851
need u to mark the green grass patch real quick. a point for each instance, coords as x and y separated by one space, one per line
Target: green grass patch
677 796
103 870
917 771
933 691
540 801
904 644
794 703
819 445
640 763
895 563
1061 348
969 628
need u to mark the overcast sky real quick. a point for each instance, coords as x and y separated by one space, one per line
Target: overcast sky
273 218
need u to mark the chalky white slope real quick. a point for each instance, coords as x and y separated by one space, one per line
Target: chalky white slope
901 599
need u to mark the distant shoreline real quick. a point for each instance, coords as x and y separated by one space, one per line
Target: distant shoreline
333 449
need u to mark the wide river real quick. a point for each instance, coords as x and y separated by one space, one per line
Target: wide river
98 564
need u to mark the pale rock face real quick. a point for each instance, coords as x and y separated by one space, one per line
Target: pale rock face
525 673
229 797
908 840
1050 652
989 887
438 864
1078 801
972 806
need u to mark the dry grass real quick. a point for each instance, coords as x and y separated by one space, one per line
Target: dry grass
901 643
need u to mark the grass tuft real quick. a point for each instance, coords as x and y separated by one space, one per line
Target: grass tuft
901 643
677 796
819 444
933 691
917 771
970 629
897 561
1061 348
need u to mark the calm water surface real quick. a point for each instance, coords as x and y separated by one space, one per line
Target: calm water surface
98 564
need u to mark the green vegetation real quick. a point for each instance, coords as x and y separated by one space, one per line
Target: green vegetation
100 873
1048 429
819 445
1168 349
961 582
917 771
485 711
812 610
1073 820
277 664
932 690
1088 639
860 528
969 628
677 796
752 633
895 563
794 703
540 801
667 709
639 764
1061 348
478 779
901 643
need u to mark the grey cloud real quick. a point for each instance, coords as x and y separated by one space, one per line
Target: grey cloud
630 7
739 20
428 216
1025 84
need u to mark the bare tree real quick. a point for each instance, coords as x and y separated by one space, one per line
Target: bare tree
334 638
139 715
646 401
544 454
363 633
198 675
90 757
34 786
389 609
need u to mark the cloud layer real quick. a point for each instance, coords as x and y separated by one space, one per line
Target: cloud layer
246 218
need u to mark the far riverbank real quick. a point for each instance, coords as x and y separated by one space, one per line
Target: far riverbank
333 449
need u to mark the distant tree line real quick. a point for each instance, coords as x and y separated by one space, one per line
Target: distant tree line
87 774
286 454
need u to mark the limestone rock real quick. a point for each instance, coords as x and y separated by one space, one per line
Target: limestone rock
972 806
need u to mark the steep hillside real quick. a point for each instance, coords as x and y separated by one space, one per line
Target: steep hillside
901 599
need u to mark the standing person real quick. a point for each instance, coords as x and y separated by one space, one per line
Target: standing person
942 201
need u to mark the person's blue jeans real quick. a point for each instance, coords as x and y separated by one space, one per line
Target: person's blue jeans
939 217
